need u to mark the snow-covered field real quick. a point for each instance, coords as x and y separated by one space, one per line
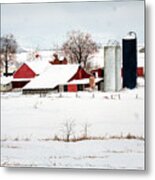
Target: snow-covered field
31 123
105 154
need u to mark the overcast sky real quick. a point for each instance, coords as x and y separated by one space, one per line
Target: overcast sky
46 24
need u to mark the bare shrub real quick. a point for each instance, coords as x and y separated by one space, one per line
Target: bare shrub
129 136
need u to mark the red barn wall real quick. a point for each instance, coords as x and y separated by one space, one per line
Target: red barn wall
140 72
24 72
72 88
19 84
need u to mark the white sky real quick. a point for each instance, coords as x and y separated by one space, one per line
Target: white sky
46 24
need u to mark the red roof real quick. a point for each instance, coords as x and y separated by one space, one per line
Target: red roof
24 72
80 74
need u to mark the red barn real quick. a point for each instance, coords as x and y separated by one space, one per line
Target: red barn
79 75
81 80
51 79
70 78
28 71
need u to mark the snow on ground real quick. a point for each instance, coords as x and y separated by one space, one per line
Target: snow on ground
30 121
36 117
106 154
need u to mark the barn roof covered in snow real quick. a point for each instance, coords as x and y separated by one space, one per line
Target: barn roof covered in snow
38 66
53 76
84 81
31 69
21 79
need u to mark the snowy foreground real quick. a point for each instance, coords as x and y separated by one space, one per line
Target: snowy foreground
105 154
112 122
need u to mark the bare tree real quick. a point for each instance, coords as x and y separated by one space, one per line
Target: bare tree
79 46
68 129
8 46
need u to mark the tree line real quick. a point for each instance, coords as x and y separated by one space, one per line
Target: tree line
77 48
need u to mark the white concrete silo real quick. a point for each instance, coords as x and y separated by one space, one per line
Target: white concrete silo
112 68
118 72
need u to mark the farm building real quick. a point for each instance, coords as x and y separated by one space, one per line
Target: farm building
27 71
81 80
50 79
60 78
5 84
